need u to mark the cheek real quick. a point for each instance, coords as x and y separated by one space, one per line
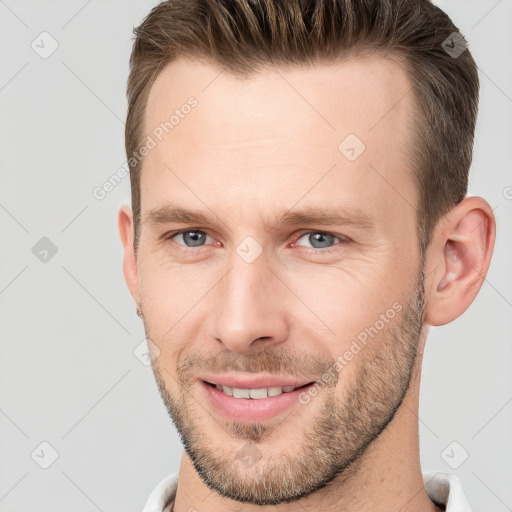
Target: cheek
340 303
171 296
330 306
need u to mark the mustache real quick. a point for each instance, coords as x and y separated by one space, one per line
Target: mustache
274 362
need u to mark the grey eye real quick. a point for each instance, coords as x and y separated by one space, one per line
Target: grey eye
192 238
319 240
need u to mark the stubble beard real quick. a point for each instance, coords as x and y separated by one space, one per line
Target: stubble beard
330 446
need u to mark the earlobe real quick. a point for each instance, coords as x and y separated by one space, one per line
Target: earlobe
461 257
125 226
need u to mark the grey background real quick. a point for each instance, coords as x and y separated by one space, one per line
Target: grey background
68 373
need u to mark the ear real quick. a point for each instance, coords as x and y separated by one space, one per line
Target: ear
458 260
125 225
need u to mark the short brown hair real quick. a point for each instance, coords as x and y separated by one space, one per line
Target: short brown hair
241 36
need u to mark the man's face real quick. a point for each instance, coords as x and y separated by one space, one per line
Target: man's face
261 291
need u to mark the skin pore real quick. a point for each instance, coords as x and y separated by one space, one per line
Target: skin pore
251 153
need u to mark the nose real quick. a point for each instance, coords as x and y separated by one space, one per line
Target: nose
251 307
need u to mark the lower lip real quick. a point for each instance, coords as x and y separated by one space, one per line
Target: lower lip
251 410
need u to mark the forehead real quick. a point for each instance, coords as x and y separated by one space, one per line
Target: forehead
281 128
333 97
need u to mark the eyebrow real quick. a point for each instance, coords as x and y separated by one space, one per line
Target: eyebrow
171 214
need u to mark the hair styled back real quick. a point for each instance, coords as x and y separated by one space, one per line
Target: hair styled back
242 36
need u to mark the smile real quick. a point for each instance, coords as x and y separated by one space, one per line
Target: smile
255 394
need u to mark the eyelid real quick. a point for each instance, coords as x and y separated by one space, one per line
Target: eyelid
342 239
171 235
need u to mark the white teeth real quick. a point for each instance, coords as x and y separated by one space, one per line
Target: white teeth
240 393
226 389
275 391
255 394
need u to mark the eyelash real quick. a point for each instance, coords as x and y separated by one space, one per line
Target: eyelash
343 240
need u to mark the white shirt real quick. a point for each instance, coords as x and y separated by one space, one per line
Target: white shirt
442 488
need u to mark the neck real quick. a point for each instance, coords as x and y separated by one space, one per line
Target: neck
387 477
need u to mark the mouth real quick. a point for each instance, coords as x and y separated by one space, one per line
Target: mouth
256 393
255 404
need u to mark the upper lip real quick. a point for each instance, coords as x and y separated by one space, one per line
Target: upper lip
239 382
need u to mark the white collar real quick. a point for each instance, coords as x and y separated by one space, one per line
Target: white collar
442 488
